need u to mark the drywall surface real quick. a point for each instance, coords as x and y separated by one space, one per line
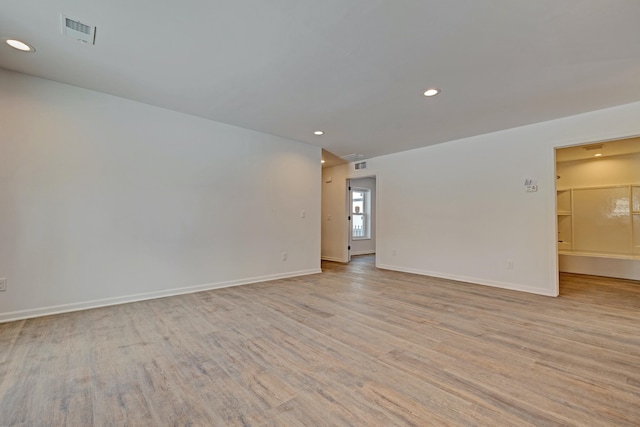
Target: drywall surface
105 200
334 213
460 210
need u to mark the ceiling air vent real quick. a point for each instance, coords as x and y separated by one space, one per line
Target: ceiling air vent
594 147
353 157
360 165
78 30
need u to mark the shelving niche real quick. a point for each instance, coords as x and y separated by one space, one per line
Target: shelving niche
635 204
565 224
602 220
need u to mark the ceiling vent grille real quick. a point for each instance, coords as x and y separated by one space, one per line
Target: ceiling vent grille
353 157
594 147
360 165
78 30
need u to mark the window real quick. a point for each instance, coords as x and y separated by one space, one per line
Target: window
360 213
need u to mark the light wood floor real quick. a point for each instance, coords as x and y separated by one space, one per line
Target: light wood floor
351 346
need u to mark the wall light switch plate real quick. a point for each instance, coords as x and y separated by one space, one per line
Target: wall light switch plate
531 185
3 285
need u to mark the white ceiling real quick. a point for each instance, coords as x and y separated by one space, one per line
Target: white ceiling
353 68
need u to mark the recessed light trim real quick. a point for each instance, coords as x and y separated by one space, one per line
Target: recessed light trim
20 45
322 161
597 155
432 91
318 132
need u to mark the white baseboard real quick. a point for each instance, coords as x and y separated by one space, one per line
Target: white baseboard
472 280
66 308
333 259
363 252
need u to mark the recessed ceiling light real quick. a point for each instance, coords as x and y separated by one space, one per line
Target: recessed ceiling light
17 44
597 155
318 132
431 91
322 161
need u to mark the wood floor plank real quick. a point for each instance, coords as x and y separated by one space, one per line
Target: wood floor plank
353 346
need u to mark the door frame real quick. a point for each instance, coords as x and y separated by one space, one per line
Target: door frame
556 254
348 239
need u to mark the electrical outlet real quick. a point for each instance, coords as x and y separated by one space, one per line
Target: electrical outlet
284 256
393 252
509 264
3 285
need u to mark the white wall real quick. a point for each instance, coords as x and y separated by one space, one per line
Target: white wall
334 213
459 210
104 200
366 246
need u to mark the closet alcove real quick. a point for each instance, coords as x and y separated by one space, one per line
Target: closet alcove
598 208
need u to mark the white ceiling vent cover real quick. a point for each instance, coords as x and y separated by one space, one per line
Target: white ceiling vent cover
353 157
360 165
78 30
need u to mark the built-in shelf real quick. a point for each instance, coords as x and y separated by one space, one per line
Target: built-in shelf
598 254
565 225
564 246
579 213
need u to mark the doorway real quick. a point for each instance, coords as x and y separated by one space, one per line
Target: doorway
598 208
337 234
361 205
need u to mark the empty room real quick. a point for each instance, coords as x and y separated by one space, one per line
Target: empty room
319 213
